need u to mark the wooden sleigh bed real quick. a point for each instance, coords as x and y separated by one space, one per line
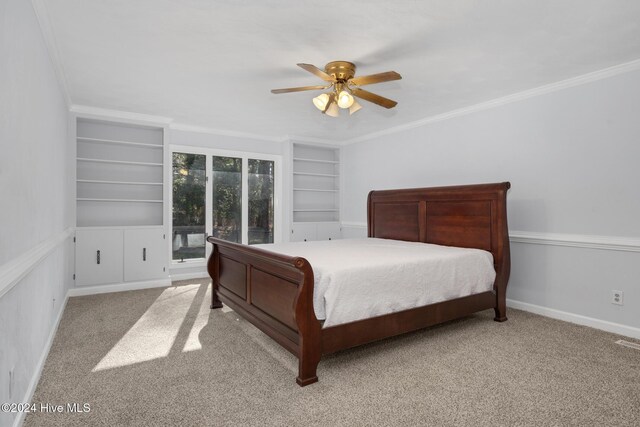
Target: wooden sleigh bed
275 292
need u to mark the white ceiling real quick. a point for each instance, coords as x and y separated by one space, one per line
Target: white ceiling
212 63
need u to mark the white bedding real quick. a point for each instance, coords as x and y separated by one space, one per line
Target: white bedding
362 278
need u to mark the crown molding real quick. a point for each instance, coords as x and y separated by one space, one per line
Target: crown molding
101 113
42 16
224 132
519 96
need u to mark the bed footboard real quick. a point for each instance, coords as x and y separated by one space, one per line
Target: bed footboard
275 292
272 291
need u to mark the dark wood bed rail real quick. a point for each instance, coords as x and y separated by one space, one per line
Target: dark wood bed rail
275 292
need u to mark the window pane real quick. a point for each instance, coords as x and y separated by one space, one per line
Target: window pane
227 198
260 201
188 206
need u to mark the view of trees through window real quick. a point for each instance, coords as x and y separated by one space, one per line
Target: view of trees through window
189 204
189 186
260 201
227 198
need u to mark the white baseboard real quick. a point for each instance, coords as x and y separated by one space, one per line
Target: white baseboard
118 287
40 366
189 276
71 293
603 325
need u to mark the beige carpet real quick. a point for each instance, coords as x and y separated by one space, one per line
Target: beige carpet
160 357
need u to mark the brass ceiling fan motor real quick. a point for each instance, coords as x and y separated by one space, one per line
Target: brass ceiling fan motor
340 76
341 70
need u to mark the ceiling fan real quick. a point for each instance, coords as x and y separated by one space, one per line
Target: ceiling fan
340 76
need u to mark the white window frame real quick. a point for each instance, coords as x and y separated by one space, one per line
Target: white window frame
245 156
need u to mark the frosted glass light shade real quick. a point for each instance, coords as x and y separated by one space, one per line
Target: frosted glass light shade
320 101
345 100
333 110
354 107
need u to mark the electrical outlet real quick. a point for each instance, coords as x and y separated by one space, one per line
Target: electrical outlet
617 297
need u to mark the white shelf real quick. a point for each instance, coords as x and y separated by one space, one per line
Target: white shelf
117 200
316 174
117 162
316 187
119 174
112 141
97 181
300 159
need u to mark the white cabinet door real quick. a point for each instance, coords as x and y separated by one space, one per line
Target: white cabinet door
98 257
303 232
145 254
329 231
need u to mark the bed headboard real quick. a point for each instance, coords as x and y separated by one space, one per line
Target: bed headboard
470 216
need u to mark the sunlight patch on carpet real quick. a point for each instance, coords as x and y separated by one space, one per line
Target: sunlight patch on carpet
155 332
193 340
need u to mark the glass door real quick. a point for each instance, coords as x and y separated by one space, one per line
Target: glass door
226 198
261 201
232 196
189 187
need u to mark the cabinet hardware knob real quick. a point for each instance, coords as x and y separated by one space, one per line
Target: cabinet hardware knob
97 257
144 254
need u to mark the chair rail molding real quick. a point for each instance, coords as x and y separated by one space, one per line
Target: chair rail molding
586 241
15 270
611 243
354 224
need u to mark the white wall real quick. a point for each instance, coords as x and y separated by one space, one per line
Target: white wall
233 143
572 158
35 188
226 142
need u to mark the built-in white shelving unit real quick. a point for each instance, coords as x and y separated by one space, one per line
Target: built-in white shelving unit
119 174
316 192
120 234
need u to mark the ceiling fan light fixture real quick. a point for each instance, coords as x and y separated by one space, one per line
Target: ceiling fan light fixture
321 101
354 107
333 110
339 77
345 100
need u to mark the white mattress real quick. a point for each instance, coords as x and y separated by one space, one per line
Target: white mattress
361 278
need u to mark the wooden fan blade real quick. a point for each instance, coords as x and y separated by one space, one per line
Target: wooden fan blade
372 97
298 89
375 78
317 71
